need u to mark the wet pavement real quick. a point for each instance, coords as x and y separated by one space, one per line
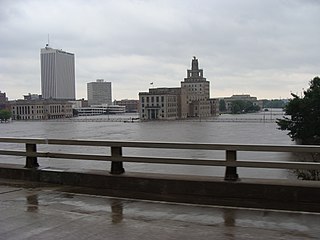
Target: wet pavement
32 211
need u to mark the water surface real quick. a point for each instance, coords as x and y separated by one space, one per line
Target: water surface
204 131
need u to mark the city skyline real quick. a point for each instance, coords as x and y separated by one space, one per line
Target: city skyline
266 49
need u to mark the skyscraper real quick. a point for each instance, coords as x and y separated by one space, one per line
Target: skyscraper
99 92
57 74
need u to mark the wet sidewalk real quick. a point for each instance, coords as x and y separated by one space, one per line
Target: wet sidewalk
33 211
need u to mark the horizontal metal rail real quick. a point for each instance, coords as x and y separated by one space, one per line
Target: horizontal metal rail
175 161
170 145
231 163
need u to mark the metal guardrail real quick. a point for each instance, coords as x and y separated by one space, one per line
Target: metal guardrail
230 162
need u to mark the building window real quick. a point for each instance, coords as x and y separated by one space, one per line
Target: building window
142 99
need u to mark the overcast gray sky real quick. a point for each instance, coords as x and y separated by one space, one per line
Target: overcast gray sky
265 48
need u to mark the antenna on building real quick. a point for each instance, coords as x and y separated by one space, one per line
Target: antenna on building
48 43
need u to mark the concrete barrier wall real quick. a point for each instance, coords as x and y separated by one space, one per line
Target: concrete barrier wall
253 193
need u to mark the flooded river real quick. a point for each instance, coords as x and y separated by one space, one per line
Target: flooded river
255 129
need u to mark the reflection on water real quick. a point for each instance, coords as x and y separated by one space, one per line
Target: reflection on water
166 131
229 217
32 203
229 222
116 210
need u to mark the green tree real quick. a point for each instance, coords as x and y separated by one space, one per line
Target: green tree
222 106
5 115
236 107
304 124
274 103
240 106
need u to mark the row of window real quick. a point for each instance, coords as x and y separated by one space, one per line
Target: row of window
202 107
18 117
152 105
195 90
172 115
158 105
152 99
27 112
195 85
38 117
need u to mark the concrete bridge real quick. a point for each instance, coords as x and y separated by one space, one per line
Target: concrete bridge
232 190
35 210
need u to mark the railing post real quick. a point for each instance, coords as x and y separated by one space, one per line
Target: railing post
31 162
116 167
231 172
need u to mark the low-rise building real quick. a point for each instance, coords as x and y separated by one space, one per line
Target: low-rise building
130 104
160 103
79 103
242 97
32 97
40 109
100 110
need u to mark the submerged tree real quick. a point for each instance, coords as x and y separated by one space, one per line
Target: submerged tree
240 106
5 115
222 106
274 103
304 125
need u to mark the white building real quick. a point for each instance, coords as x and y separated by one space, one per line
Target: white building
100 110
57 74
99 92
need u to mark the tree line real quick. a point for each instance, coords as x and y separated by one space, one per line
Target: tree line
242 106
303 125
239 106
